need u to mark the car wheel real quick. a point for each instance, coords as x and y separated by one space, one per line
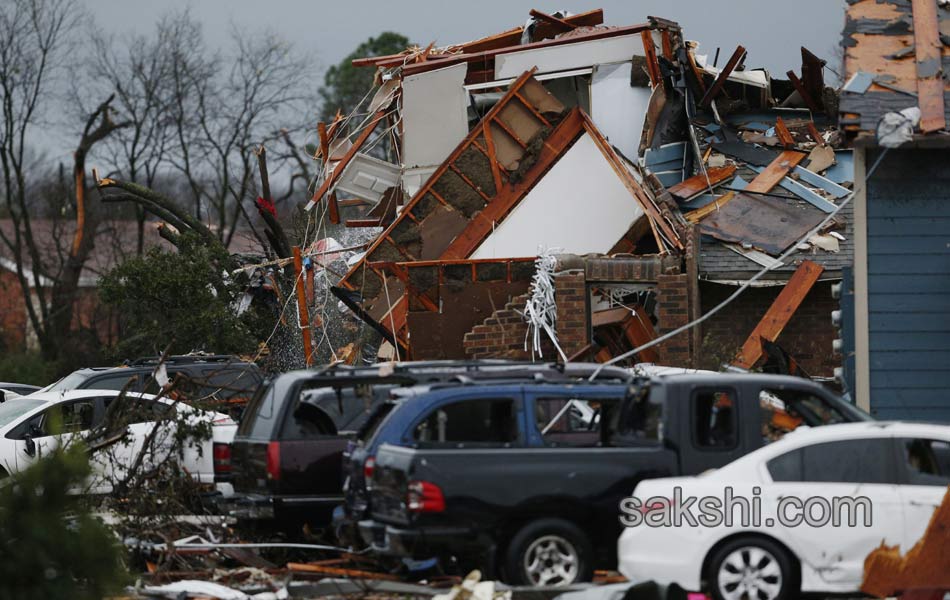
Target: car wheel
752 568
549 552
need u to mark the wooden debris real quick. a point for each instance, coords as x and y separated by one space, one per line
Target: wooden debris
783 134
820 159
698 184
697 215
779 314
339 572
925 566
778 169
720 82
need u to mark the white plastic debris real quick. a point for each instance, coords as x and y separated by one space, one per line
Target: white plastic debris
472 588
897 128
541 310
826 242
194 588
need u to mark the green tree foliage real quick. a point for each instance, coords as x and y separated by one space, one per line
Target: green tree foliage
50 546
185 298
345 85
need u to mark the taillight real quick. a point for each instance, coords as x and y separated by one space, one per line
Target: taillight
658 505
369 465
221 458
424 497
273 461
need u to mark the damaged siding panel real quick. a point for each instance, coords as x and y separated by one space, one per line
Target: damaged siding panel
617 108
434 112
908 258
569 56
556 213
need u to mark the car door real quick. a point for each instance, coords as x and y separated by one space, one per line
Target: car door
710 432
139 416
925 468
815 483
58 426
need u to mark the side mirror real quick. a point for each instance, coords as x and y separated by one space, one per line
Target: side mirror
30 446
3 396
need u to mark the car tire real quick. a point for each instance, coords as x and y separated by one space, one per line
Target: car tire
551 552
752 567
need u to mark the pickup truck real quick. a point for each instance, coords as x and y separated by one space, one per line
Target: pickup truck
524 480
286 458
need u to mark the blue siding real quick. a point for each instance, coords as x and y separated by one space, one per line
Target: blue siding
908 202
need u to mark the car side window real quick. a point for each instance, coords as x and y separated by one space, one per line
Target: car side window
849 461
927 462
114 382
69 417
480 422
784 410
142 410
575 422
714 419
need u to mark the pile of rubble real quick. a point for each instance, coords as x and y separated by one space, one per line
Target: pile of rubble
571 135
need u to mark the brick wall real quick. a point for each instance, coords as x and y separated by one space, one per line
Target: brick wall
502 335
13 318
672 312
570 294
807 337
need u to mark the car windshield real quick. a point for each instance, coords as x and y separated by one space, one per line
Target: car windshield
13 409
70 382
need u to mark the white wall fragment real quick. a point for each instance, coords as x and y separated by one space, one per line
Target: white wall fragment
434 113
581 205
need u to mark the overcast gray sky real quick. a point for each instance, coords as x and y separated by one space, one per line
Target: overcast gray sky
771 30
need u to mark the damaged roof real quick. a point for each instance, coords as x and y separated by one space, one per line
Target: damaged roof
896 56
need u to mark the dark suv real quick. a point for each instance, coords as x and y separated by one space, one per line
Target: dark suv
287 454
220 379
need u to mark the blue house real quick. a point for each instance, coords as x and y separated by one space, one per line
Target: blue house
894 107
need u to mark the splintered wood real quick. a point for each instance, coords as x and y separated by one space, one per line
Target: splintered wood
779 314
925 566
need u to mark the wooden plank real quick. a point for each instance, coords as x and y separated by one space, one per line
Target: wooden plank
653 67
639 331
784 135
929 70
813 74
697 184
695 216
815 134
343 162
775 172
720 82
667 45
363 222
302 308
481 57
558 24
779 314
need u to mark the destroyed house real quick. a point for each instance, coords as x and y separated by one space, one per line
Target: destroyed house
656 178
894 110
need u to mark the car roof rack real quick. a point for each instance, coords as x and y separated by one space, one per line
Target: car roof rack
184 359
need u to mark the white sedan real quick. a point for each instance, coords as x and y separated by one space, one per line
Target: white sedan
31 426
826 498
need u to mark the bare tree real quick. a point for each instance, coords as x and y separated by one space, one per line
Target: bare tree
35 40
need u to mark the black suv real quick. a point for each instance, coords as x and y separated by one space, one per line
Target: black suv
224 379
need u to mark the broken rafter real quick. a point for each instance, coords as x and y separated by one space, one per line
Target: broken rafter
720 82
649 49
810 102
779 314
505 39
481 57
